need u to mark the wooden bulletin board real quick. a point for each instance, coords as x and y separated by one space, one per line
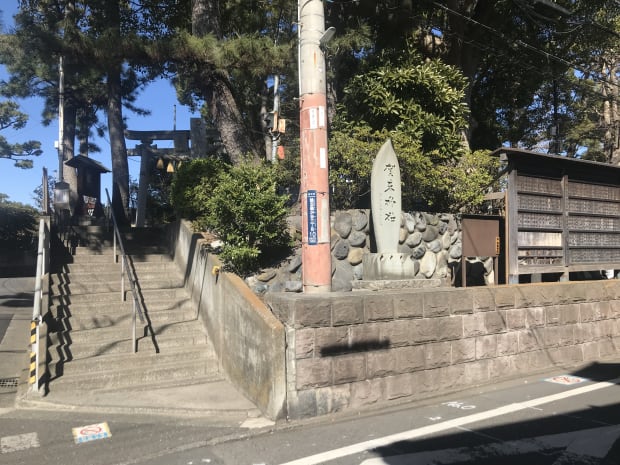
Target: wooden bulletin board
563 214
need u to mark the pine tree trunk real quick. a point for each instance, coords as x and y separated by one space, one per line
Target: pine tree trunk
614 117
120 166
217 90
69 174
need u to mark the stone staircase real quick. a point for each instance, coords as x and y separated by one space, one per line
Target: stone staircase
90 344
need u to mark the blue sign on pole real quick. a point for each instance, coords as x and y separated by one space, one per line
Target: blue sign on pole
313 233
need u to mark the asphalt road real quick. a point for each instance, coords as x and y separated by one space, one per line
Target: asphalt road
554 418
547 419
16 296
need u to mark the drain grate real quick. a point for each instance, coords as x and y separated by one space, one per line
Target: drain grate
8 382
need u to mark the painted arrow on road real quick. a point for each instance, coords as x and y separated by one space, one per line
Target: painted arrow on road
582 447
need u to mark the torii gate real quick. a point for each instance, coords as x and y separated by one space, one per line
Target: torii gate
204 143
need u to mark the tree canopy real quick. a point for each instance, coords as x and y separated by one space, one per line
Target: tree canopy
447 80
20 153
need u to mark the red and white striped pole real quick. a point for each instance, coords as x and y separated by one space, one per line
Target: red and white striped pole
316 251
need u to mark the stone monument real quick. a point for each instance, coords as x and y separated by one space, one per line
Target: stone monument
387 267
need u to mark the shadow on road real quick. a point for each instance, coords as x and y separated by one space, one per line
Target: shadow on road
587 436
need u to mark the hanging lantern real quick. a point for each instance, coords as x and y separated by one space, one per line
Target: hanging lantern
170 168
160 163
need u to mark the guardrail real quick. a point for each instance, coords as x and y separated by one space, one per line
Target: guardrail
43 260
126 270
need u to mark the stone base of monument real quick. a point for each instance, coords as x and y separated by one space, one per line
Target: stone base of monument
392 284
392 271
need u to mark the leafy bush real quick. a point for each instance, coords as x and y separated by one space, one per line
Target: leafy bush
240 204
247 212
192 186
18 225
419 105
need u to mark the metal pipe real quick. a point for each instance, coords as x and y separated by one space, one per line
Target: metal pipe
123 279
36 307
134 339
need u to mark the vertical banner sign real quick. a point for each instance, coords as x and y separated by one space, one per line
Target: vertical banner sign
313 233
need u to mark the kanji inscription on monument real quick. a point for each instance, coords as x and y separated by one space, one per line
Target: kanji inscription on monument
385 194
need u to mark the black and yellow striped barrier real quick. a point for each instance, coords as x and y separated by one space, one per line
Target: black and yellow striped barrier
33 354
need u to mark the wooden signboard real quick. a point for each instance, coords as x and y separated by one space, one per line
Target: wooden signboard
563 214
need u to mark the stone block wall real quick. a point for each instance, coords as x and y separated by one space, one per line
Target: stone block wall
351 350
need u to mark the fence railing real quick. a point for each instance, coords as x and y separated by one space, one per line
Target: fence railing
126 270
43 260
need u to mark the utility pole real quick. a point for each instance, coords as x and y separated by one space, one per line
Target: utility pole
61 121
316 251
276 117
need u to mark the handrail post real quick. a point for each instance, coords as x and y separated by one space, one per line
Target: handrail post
115 257
125 268
134 340
36 310
123 280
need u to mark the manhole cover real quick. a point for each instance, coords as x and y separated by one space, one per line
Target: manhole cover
8 382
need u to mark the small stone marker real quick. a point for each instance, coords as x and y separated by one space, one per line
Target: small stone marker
385 198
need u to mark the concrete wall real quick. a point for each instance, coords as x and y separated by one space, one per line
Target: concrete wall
352 350
247 337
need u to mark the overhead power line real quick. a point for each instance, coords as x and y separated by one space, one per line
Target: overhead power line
523 44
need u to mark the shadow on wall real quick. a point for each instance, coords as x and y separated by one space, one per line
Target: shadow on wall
365 346
475 272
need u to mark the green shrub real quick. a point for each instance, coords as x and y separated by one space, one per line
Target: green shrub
247 212
18 225
192 185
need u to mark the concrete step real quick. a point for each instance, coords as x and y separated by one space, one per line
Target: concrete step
82 320
113 275
87 266
150 296
105 256
89 308
62 344
138 361
112 272
113 285
111 333
106 379
130 249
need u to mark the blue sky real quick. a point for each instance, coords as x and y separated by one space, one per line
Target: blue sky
159 97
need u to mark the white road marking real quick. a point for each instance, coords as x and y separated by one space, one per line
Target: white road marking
580 447
448 424
19 442
459 405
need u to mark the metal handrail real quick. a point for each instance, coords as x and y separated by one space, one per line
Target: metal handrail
43 251
137 306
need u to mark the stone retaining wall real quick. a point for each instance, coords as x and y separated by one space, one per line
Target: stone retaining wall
351 350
